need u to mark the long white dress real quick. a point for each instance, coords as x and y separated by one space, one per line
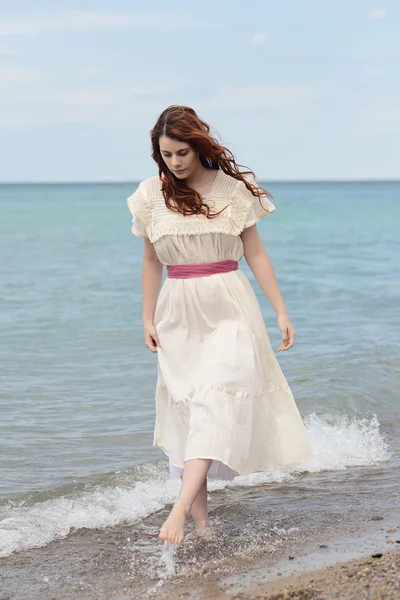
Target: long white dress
220 393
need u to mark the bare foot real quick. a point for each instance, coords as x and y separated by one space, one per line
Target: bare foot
173 528
205 531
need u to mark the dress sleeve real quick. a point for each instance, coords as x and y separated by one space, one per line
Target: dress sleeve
140 212
259 207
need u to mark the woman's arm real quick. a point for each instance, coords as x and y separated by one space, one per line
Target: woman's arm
261 266
151 280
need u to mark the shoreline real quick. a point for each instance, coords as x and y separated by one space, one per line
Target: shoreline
355 568
371 577
320 568
255 549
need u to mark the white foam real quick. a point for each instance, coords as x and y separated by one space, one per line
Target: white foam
43 522
341 442
337 443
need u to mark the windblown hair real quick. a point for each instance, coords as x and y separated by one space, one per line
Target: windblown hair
182 123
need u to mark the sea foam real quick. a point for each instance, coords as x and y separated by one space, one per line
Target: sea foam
337 443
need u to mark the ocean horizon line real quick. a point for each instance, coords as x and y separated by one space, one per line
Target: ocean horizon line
137 181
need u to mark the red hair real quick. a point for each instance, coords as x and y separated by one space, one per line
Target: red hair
182 123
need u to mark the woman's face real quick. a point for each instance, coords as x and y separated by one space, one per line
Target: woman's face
179 157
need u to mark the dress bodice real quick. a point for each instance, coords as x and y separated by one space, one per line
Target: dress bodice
180 239
203 248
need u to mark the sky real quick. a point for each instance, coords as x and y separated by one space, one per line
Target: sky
296 89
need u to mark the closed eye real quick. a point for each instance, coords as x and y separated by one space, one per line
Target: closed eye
183 153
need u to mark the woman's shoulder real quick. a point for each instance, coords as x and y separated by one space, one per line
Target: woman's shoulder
140 202
230 186
150 187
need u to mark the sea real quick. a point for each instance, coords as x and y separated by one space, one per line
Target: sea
83 492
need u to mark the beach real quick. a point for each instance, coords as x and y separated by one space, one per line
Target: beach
251 549
83 492
374 577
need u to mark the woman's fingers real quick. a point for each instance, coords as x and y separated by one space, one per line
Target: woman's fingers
287 339
155 337
150 343
151 340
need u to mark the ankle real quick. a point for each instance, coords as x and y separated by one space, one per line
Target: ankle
183 507
201 523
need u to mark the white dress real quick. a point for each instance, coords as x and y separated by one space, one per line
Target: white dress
220 391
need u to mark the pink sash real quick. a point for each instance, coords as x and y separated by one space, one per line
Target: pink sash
201 269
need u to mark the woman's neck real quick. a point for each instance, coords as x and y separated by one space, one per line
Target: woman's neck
201 179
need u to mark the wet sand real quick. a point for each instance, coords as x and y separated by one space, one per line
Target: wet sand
375 577
260 537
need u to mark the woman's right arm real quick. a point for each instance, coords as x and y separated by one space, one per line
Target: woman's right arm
151 280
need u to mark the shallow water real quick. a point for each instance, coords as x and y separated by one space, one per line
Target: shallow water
78 474
254 526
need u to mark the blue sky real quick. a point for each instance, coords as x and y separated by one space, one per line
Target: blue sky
297 89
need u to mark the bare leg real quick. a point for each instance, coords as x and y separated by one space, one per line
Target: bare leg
199 510
194 474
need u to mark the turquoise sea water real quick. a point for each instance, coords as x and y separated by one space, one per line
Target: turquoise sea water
77 382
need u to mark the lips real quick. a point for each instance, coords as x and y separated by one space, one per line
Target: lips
179 172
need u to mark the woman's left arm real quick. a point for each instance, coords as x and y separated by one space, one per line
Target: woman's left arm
261 266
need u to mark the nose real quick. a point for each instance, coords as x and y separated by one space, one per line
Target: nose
176 163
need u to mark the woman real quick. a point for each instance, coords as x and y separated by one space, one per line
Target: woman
223 405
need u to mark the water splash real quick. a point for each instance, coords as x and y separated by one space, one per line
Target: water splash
341 442
337 443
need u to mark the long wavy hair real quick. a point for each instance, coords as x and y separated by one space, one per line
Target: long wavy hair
183 124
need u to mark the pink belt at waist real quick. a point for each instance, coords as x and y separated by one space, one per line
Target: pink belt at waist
201 269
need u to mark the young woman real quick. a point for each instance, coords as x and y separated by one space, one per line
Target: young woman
223 405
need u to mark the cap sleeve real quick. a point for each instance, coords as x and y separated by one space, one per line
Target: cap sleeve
139 209
259 207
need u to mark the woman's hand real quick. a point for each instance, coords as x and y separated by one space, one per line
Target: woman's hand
287 331
151 337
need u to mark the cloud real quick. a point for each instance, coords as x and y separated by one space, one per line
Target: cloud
122 106
94 97
263 97
83 106
378 13
382 120
259 39
7 51
83 71
81 20
18 75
